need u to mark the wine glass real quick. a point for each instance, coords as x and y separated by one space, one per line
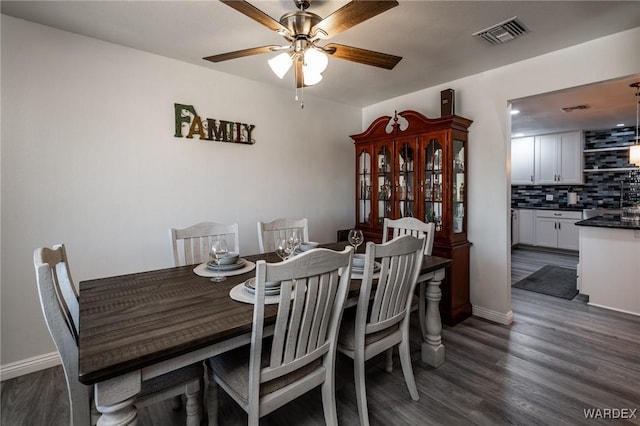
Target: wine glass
283 248
219 249
294 240
355 238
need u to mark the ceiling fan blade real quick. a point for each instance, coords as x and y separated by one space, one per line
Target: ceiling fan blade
352 14
363 56
299 74
256 14
241 53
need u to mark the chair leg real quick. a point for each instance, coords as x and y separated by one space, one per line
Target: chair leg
361 391
407 369
329 400
389 367
212 399
194 404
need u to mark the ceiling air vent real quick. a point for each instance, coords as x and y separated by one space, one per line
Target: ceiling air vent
503 32
575 108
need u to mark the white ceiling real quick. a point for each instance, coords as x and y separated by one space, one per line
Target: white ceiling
433 37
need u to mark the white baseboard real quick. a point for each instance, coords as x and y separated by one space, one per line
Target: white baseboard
29 365
495 316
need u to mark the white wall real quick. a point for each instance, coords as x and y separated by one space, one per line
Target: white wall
89 159
484 98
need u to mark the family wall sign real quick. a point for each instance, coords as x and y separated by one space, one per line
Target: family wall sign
210 129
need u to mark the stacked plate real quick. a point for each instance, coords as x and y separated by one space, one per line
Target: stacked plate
357 270
212 265
271 288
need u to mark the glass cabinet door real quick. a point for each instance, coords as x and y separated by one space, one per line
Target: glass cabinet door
433 182
405 184
384 185
364 187
459 193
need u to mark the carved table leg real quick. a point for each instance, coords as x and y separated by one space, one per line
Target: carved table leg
114 400
432 347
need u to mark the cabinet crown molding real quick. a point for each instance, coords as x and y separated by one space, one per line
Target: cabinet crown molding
415 123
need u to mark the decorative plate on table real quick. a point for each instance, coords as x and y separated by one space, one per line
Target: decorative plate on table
230 267
204 271
241 293
268 291
358 273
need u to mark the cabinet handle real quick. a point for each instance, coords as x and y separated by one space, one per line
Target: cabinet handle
531 178
559 225
555 225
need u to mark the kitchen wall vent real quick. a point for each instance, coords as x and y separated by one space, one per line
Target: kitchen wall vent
576 107
503 32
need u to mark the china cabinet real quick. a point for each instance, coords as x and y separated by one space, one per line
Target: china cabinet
413 166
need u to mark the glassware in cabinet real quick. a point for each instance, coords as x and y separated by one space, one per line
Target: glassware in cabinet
363 196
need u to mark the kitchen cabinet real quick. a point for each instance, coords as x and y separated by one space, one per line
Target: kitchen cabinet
558 158
413 166
526 227
557 229
522 156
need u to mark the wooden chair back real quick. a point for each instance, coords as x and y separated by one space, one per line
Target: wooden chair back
270 232
314 287
59 302
410 226
401 260
192 245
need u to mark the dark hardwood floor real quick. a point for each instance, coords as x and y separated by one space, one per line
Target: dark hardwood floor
558 359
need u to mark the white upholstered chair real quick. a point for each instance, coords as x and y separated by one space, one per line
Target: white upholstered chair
272 371
269 232
380 320
59 301
192 245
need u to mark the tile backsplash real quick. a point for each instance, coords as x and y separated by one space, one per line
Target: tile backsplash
601 188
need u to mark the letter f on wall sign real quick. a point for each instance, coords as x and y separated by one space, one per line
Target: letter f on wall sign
178 108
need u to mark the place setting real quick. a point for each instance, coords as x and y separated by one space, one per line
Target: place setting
356 238
224 263
286 248
246 292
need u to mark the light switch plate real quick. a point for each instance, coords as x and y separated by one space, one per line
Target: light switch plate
549 197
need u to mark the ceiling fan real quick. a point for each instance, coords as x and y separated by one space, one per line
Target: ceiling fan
303 30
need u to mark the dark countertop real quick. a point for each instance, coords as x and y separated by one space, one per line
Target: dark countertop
562 208
609 221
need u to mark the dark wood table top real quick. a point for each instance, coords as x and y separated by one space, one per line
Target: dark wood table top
132 321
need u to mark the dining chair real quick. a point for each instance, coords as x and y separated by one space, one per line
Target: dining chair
380 320
300 355
269 232
59 302
410 226
192 245
415 227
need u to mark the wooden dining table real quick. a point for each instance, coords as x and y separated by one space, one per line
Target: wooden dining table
138 326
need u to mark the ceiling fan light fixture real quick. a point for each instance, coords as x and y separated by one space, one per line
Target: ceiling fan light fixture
280 64
315 61
311 78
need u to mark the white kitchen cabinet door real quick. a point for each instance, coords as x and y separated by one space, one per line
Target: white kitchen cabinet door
568 234
558 159
546 232
522 155
546 158
570 161
526 227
